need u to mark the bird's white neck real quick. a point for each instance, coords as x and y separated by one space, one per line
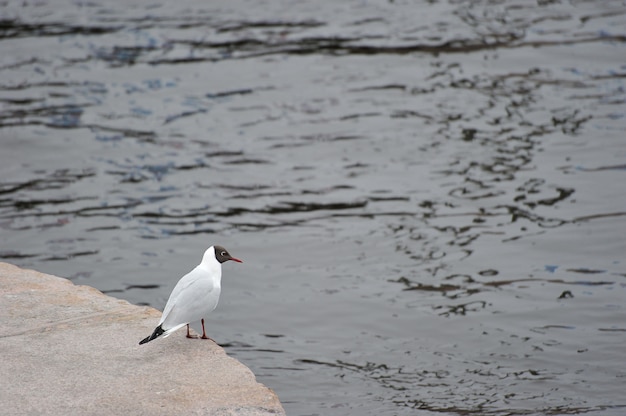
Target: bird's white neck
211 265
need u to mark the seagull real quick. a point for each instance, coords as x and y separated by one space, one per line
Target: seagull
195 295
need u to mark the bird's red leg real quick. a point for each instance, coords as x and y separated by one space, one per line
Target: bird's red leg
204 332
189 335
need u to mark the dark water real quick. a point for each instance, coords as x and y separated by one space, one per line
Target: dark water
429 196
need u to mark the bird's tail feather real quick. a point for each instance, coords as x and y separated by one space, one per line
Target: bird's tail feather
158 331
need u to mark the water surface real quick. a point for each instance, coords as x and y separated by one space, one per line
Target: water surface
428 196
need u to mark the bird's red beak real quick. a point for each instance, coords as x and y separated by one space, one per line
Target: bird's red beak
236 259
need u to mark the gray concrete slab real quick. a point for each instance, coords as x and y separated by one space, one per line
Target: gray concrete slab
71 350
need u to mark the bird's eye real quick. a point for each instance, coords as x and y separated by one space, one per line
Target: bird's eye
223 253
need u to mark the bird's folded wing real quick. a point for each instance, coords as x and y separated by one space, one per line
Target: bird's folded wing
191 300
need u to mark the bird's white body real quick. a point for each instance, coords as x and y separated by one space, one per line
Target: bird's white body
195 295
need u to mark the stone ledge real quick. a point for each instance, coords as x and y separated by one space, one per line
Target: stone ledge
71 350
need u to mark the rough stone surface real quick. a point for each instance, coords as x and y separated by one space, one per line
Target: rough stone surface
71 350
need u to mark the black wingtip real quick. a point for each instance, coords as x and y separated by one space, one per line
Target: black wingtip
158 331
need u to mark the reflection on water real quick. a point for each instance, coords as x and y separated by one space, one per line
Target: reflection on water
429 197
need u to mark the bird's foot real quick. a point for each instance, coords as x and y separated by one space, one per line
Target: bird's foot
205 337
190 336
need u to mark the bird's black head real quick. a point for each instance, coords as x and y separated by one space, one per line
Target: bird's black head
222 255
